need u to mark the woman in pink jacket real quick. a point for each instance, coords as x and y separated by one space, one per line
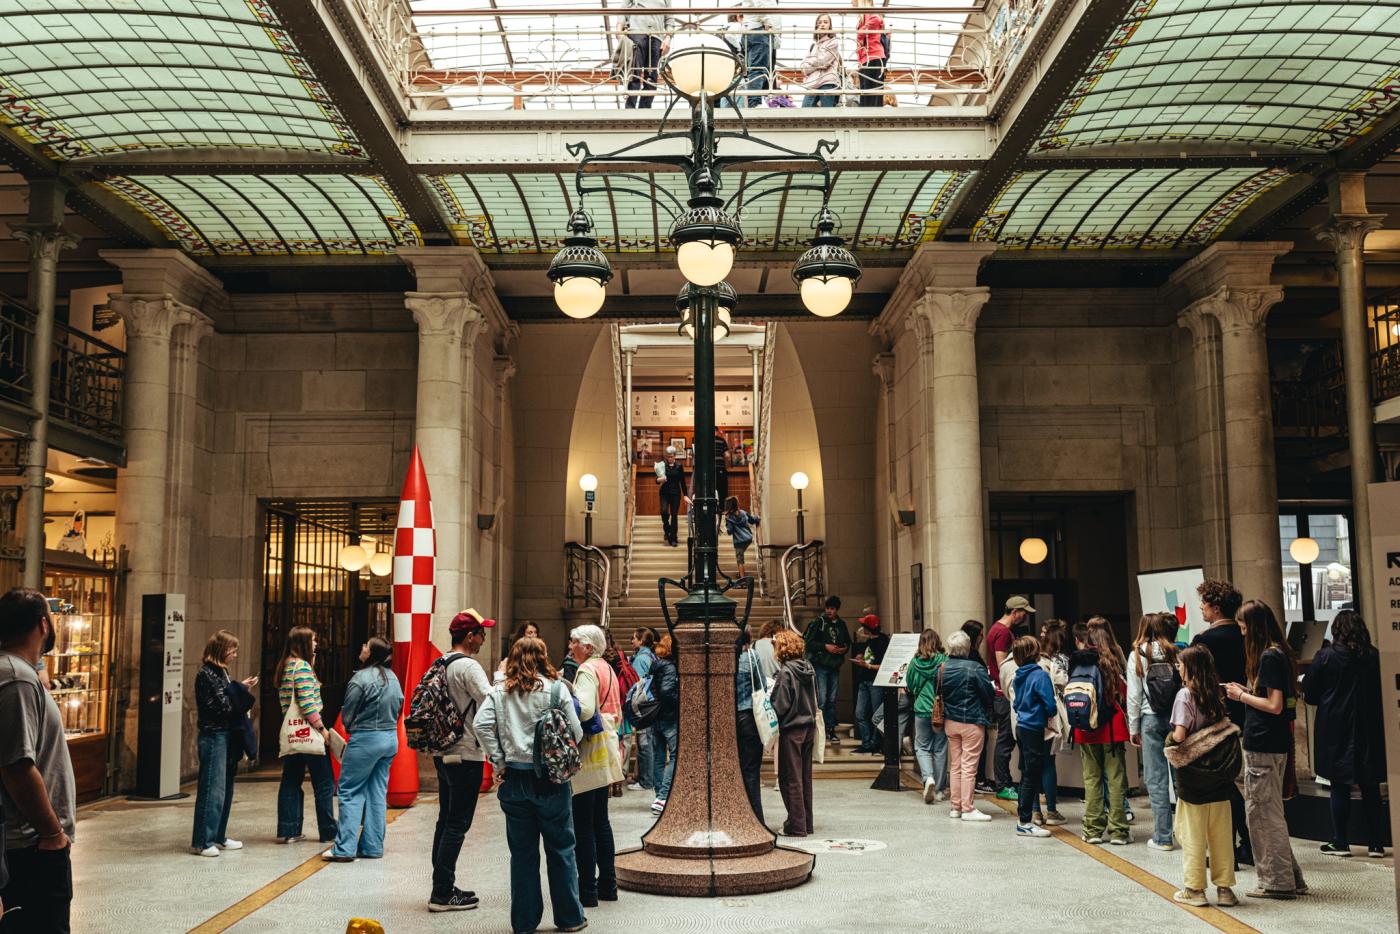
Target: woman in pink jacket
871 53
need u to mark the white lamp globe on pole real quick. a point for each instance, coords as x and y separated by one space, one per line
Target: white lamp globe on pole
700 62
799 481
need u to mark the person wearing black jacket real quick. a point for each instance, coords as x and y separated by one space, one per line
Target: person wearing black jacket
665 731
222 711
671 476
1344 683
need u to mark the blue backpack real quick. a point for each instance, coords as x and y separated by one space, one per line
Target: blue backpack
1084 700
641 706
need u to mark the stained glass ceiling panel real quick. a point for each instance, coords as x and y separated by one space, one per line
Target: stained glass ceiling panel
109 76
272 215
1121 208
526 213
1297 73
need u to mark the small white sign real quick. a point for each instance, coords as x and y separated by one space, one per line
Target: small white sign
850 846
894 667
173 695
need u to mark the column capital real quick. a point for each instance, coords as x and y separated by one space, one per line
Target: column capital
45 241
936 265
940 311
153 315
1199 322
882 365
1346 233
453 269
1239 309
443 314
1227 264
168 272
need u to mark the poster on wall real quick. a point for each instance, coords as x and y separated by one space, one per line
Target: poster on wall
676 409
1385 575
916 594
1173 590
646 446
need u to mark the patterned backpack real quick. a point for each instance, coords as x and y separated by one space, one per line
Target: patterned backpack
434 723
556 752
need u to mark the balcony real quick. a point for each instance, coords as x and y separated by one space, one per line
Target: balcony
85 394
1385 352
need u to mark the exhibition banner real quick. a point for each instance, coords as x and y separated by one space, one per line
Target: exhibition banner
1173 590
1385 570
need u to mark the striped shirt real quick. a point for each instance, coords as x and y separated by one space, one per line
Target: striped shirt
299 677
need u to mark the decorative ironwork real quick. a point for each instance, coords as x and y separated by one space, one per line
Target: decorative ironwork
1385 352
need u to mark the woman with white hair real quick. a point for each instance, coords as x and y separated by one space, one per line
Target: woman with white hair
599 711
967 697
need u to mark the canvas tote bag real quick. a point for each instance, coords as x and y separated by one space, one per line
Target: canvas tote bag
763 715
297 736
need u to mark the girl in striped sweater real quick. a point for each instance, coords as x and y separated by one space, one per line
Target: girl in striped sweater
296 678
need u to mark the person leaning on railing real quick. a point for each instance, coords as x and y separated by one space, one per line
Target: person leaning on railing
871 52
760 47
822 68
650 36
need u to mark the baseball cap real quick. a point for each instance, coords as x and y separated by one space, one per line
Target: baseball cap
870 621
468 620
1019 602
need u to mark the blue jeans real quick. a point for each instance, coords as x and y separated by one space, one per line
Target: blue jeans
931 752
758 54
1049 781
1156 774
291 801
363 792
644 758
822 100
537 809
213 798
665 737
828 681
868 697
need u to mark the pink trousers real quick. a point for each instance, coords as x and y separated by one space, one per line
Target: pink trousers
964 749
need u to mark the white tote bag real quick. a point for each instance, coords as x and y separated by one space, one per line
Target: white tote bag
297 736
819 737
763 715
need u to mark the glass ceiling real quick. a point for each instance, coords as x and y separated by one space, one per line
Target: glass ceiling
109 76
526 213
1121 208
278 215
1300 73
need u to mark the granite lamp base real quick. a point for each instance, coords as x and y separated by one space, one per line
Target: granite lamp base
779 868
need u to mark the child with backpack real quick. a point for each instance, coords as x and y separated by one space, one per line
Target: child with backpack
1152 687
1034 707
740 525
1094 700
1204 749
525 726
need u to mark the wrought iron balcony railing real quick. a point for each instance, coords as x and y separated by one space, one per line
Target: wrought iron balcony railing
1385 354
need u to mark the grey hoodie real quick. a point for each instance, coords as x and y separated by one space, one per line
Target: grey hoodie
794 694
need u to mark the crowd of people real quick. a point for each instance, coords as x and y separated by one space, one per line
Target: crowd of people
755 34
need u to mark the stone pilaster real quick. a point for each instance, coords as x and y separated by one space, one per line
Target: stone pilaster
1346 233
180 516
1210 440
883 367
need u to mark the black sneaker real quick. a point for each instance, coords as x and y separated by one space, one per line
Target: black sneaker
1329 849
588 899
454 902
466 893
1376 852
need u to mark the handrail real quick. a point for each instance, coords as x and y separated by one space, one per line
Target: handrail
755 501
797 555
582 586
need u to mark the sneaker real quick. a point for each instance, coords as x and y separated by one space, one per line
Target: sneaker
1119 841
292 839
1194 897
1038 818
1225 897
929 791
658 805
985 788
976 815
457 901
230 845
577 927
1093 838
955 814
1031 830
1007 794
637 787
943 796
1271 893
1376 852
1054 818
330 857
210 850
1329 849
1164 847
465 892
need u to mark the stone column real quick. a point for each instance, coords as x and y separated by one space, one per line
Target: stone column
447 323
505 369
1252 481
883 366
1346 232
1210 441
184 390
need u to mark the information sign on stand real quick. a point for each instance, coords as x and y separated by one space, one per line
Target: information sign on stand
1385 570
161 710
894 667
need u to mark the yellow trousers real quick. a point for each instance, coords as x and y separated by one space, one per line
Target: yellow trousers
1206 829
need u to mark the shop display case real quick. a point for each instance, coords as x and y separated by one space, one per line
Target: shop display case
82 602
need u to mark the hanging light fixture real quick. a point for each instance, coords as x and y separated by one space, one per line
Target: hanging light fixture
353 557
381 563
700 62
1034 550
705 238
827 273
1304 550
726 299
580 272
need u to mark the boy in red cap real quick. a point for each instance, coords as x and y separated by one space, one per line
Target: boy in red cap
865 660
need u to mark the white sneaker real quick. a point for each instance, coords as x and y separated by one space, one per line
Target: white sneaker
294 839
1031 830
940 796
930 792
230 844
975 815
636 787
955 814
1164 847
658 805
210 850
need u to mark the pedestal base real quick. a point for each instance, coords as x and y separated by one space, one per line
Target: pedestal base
780 868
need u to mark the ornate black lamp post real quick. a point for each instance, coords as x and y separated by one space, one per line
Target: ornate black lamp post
707 841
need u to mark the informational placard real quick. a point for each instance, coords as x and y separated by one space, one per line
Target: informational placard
733 408
161 714
1173 590
894 668
172 712
1385 570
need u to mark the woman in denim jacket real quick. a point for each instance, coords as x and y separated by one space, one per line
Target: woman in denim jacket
373 701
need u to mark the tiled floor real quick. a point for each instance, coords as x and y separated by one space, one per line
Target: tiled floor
133 872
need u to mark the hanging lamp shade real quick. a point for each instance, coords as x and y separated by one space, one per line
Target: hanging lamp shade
580 272
827 273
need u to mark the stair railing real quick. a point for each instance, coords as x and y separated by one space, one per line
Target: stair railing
588 578
803 577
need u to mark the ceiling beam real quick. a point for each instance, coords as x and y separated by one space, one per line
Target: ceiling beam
1032 109
218 160
347 70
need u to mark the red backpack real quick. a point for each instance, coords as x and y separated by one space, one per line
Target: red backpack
626 675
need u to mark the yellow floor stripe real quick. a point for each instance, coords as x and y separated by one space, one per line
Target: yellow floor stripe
1213 916
275 889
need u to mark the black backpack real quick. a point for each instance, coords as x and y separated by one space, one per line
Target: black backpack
1161 683
885 43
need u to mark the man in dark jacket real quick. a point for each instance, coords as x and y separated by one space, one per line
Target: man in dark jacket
827 642
671 476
